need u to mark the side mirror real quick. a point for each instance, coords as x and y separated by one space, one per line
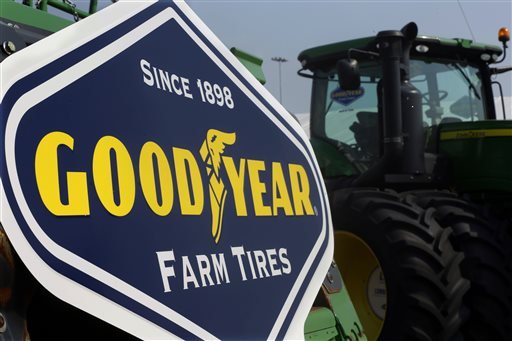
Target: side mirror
348 74
465 107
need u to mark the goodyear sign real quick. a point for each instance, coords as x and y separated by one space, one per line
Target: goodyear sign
148 179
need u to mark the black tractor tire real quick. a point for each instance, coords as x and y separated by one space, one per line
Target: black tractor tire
485 265
424 286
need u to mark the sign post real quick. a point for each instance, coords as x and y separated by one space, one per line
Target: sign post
148 179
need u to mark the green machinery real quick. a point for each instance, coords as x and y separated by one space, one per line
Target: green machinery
419 176
28 309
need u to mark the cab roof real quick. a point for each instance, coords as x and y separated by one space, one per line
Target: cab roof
438 48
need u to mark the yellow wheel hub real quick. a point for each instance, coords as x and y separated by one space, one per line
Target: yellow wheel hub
364 280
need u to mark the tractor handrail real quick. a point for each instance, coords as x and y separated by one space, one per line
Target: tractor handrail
66 6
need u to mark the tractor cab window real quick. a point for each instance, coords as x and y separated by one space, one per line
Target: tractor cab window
352 110
349 118
451 92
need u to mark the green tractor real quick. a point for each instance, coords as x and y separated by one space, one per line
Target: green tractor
419 177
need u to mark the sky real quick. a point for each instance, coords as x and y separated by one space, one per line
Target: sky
285 28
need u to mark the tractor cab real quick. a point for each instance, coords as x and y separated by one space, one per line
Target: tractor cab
451 75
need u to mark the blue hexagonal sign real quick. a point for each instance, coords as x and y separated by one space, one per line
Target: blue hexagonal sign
148 179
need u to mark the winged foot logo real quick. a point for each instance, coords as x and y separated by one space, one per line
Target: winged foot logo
211 152
161 181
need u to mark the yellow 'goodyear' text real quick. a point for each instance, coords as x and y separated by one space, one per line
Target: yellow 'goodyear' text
178 181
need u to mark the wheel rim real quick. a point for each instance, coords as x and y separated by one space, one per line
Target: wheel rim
364 279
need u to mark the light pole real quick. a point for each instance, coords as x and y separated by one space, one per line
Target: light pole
280 60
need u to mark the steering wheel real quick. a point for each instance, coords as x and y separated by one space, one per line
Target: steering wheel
441 93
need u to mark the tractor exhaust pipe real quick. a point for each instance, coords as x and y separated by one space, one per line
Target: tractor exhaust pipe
412 114
390 48
390 111
401 112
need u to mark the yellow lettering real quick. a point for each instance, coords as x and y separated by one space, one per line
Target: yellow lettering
280 197
148 181
300 190
237 179
157 184
47 178
184 160
258 188
102 174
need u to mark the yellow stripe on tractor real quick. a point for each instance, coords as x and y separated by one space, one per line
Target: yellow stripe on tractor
474 134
